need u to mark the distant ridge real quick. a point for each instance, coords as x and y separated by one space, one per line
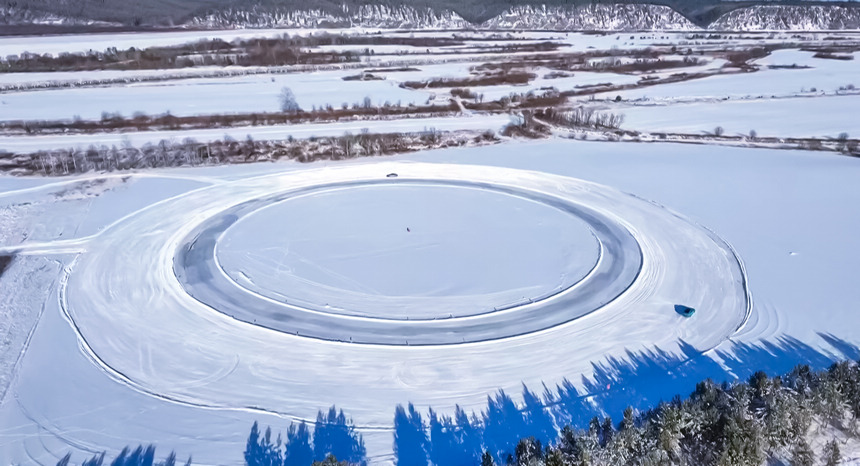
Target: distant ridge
442 14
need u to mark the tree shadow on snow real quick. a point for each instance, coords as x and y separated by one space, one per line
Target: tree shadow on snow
641 380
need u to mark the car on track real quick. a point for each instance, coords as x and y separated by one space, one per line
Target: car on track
685 311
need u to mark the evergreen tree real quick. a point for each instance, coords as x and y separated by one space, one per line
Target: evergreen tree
487 459
801 454
832 456
742 439
667 423
528 452
330 460
554 458
607 431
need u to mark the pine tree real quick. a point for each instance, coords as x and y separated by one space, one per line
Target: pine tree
832 456
801 454
487 459
554 458
607 431
528 452
668 425
742 437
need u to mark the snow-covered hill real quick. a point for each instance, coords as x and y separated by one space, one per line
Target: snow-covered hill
789 17
611 17
365 16
617 17
12 14
590 17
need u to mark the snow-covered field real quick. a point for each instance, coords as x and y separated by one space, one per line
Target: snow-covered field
200 397
178 306
823 75
792 117
202 96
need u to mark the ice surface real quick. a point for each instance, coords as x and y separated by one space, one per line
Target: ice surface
420 251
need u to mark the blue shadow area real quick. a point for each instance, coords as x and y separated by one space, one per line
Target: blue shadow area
333 435
640 380
140 456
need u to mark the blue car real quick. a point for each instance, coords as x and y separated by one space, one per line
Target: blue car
685 311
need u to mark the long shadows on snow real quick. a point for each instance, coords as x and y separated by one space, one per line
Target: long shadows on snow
641 380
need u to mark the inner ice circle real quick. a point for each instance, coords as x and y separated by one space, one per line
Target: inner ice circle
407 251
248 262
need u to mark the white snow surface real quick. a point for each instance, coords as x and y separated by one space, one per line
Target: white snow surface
791 117
413 243
141 328
769 205
824 75
201 96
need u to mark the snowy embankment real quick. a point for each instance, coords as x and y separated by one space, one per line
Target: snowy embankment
27 144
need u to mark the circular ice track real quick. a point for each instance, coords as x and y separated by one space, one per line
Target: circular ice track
617 263
153 308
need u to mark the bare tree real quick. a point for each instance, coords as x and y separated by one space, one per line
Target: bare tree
288 100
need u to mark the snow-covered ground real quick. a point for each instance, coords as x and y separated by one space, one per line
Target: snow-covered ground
824 75
201 96
178 306
126 385
793 117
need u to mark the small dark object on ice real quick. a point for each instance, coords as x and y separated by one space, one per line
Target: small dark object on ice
391 175
685 311
408 230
